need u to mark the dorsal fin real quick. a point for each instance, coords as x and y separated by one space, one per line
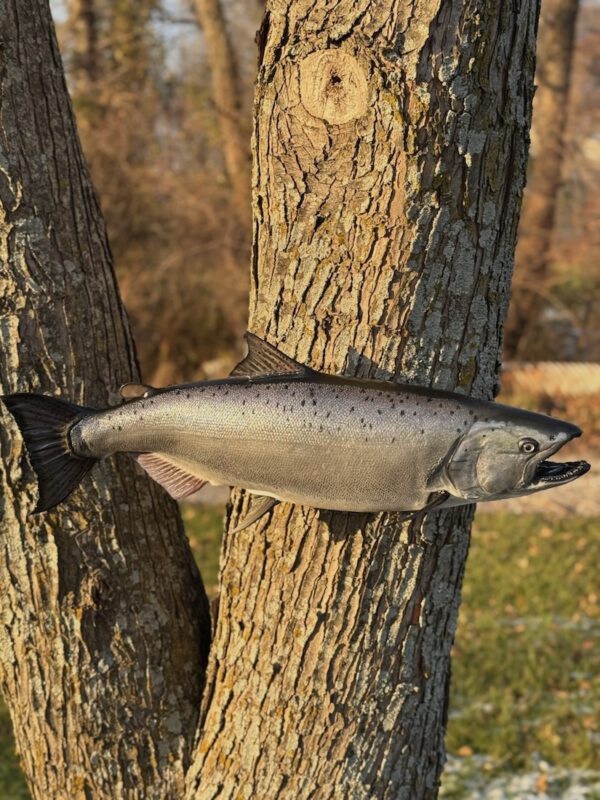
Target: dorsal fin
133 391
265 359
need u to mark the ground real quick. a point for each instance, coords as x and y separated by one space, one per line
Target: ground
525 703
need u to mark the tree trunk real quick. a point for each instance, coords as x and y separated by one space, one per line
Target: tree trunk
390 149
533 256
104 619
227 100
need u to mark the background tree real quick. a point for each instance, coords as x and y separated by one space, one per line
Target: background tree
537 225
227 99
104 620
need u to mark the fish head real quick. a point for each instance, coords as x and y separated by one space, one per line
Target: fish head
506 454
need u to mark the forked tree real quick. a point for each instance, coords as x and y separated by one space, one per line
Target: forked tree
390 146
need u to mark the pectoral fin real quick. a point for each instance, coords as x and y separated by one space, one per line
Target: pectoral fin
171 476
260 507
436 499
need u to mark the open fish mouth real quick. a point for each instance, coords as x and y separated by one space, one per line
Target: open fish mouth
553 473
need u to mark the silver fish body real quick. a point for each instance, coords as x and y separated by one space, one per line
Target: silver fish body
312 439
328 445
342 445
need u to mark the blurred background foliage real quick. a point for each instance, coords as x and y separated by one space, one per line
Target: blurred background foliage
163 95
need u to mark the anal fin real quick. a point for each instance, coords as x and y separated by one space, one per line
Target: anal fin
261 506
173 478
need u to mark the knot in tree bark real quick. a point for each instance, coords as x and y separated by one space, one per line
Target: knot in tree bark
333 86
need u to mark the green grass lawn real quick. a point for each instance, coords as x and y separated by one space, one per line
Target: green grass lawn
526 667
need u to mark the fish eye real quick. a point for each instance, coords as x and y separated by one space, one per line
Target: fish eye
529 446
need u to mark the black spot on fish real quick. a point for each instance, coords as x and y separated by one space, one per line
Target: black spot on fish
402 413
303 402
414 413
422 430
393 439
328 415
429 399
120 428
320 428
243 402
351 409
458 430
314 402
379 411
187 394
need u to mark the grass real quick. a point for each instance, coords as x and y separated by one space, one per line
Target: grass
12 783
526 666
204 526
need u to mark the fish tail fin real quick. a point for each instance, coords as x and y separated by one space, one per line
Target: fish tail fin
44 423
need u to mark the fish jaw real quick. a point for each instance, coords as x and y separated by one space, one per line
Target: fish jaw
545 474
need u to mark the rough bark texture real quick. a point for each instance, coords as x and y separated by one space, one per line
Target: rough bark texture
390 150
226 96
532 259
104 624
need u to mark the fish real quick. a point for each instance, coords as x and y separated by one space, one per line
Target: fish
288 433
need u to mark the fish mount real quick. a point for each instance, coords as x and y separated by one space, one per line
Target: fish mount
287 433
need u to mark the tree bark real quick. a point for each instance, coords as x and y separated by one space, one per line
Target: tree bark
227 100
390 148
105 624
533 256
